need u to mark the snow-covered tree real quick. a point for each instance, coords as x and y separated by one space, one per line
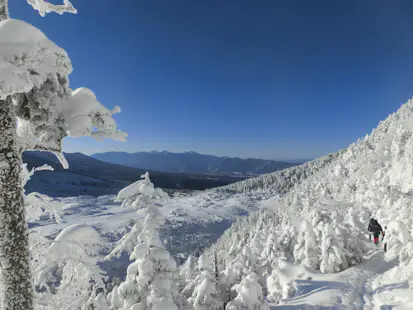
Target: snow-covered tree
249 296
399 243
35 95
206 294
226 280
97 301
187 271
38 205
274 287
127 243
243 263
138 195
306 251
69 269
332 253
151 279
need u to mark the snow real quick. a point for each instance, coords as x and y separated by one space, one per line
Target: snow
13 79
337 194
349 289
44 7
23 33
85 116
249 296
307 247
33 82
78 233
400 230
150 279
27 50
192 221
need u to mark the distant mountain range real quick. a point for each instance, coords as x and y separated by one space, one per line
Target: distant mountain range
90 176
192 162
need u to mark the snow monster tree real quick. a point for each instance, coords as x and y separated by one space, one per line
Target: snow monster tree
37 110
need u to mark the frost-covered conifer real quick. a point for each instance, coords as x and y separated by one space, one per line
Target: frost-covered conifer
206 294
274 287
332 253
138 195
35 95
187 272
306 251
399 243
151 279
249 296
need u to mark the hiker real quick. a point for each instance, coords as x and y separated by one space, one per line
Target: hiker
375 230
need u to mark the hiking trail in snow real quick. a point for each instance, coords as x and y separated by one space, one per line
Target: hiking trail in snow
349 289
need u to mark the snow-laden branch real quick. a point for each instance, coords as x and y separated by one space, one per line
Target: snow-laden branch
28 174
28 58
44 7
33 71
37 205
83 115
35 145
62 159
139 192
71 262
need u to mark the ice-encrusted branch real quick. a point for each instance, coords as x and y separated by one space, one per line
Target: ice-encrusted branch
62 159
44 7
33 145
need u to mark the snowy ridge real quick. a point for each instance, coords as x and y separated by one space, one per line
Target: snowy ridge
372 177
279 182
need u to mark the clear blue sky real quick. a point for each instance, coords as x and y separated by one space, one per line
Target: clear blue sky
273 79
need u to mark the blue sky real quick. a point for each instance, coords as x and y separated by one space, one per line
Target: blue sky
272 79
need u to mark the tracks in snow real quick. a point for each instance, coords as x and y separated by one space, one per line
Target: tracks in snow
350 289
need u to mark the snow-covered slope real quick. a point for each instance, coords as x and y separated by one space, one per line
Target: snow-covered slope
279 182
309 246
192 222
372 177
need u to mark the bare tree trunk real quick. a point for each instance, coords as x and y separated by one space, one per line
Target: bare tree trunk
16 286
4 9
